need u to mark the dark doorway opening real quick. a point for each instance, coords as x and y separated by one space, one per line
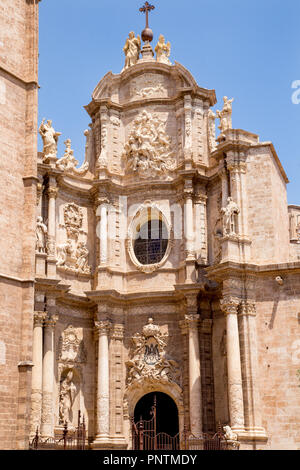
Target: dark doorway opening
166 412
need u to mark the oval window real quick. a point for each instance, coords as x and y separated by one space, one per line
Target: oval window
151 242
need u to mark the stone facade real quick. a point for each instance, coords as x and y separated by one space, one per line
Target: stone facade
211 318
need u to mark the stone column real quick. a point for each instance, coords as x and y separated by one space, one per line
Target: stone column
229 305
191 325
51 260
37 372
249 361
102 426
47 428
201 228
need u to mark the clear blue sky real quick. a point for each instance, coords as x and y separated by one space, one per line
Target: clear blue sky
246 49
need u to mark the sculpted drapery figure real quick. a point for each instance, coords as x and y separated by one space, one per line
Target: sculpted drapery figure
225 115
229 214
132 50
41 236
163 51
66 398
82 254
50 139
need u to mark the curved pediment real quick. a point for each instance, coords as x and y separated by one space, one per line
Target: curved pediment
148 81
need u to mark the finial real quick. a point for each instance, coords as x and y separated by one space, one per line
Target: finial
147 33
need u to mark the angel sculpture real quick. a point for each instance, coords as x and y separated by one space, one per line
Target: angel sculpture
163 50
225 115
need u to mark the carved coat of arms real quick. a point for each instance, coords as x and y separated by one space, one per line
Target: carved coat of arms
148 360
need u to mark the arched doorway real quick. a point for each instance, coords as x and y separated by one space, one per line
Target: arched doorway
155 423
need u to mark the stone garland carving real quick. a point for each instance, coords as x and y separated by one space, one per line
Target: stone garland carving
229 218
41 236
68 162
225 115
211 125
102 160
50 140
148 361
148 149
163 51
132 50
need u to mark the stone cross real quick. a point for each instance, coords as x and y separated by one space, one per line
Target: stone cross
145 9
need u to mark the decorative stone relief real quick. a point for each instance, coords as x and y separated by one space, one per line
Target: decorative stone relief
148 150
50 140
73 217
148 361
148 86
103 159
41 236
225 115
71 347
73 254
163 51
132 50
229 218
68 162
211 130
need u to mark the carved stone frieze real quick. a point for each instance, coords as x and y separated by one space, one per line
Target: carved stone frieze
148 359
148 150
148 86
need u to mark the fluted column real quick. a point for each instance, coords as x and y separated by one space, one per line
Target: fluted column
47 428
102 423
190 327
249 361
230 305
37 372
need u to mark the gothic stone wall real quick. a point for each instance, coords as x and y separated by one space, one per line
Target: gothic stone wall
18 111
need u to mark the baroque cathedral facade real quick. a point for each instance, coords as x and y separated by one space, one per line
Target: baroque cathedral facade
166 267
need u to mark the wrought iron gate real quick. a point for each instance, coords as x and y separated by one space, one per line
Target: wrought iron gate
145 436
66 440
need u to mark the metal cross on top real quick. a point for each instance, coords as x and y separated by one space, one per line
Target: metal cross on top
145 9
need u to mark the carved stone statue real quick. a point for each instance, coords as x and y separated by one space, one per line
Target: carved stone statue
63 251
50 139
66 398
132 50
163 51
212 131
225 115
41 236
82 254
148 149
68 162
229 214
229 434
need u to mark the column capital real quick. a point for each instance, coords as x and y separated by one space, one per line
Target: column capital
247 308
117 332
229 305
50 322
52 192
39 318
102 328
190 322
